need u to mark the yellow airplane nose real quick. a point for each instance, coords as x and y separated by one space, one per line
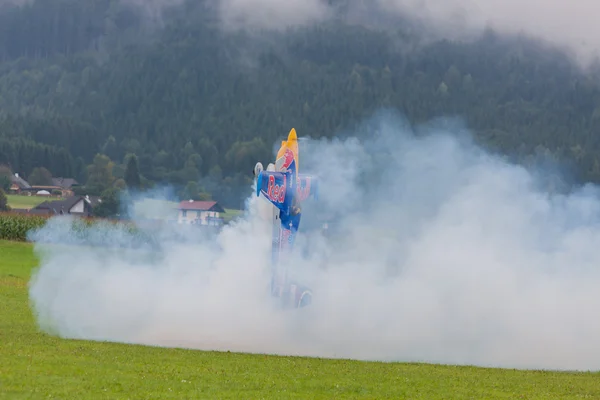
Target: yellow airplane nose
292 136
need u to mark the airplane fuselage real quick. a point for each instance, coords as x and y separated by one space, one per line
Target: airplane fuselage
285 190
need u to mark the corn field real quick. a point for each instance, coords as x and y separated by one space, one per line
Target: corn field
16 226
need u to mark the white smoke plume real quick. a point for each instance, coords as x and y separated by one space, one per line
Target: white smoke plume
570 25
438 251
270 14
567 24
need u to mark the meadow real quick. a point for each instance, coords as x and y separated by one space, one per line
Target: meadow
26 202
37 365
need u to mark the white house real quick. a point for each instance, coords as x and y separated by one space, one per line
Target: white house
200 213
76 205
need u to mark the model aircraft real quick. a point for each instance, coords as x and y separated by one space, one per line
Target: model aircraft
285 189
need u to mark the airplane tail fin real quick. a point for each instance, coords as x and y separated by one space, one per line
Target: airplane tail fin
287 156
308 186
292 143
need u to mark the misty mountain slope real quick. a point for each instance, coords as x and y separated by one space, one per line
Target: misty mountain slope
193 101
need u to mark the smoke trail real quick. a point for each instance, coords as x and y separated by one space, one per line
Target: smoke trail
438 251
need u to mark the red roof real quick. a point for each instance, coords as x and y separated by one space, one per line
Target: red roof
200 206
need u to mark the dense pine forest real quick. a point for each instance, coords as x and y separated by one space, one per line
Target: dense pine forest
85 84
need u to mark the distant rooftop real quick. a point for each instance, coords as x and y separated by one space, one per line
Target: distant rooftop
200 206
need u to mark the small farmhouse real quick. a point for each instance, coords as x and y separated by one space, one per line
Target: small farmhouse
63 186
200 212
74 205
18 184
65 183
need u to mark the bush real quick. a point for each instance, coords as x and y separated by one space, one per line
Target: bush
3 201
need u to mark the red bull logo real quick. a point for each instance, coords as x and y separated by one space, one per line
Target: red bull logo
288 157
276 192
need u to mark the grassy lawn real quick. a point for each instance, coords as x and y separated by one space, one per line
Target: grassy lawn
18 201
230 214
34 365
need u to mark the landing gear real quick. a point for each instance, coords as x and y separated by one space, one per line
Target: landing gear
305 299
292 296
258 168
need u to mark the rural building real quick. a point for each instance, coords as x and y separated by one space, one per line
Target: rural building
200 213
18 184
62 186
44 190
74 205
65 183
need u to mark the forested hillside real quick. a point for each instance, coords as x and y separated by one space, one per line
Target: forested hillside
80 78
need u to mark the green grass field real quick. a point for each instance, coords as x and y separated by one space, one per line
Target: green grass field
18 201
231 214
35 365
